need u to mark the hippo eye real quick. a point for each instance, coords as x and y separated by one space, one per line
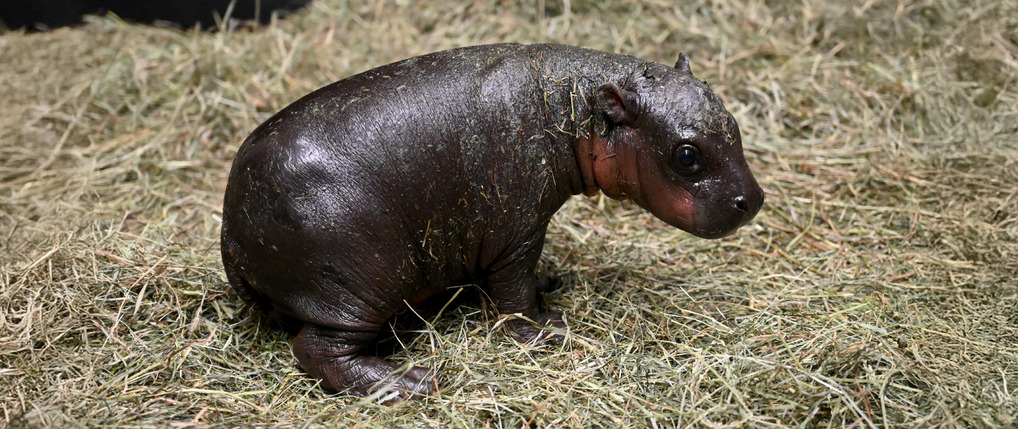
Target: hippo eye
687 159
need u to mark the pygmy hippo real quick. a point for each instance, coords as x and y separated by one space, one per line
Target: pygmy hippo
375 192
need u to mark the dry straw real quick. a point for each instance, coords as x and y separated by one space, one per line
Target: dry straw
876 288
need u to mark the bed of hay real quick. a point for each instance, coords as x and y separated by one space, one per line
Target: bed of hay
876 287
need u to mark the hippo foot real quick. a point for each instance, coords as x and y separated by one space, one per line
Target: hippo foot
366 375
341 368
526 331
414 383
547 284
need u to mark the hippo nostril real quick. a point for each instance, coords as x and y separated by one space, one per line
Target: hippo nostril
740 203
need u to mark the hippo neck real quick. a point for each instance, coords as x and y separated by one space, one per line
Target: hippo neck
568 78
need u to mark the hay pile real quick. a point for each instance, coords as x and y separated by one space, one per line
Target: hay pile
877 286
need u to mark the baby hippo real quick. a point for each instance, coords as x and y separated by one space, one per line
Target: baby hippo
375 192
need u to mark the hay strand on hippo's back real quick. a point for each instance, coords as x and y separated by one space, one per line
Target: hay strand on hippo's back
876 288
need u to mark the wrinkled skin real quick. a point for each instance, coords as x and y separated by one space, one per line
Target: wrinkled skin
380 190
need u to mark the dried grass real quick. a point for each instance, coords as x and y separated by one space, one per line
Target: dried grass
876 288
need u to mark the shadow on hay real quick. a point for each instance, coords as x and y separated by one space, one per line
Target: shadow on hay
40 15
405 326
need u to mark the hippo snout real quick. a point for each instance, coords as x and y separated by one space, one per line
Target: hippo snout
749 203
723 219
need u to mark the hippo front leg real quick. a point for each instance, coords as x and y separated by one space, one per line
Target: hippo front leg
513 285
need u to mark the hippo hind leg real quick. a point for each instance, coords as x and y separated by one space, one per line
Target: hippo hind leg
336 357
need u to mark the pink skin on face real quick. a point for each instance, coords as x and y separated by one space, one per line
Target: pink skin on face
622 171
616 171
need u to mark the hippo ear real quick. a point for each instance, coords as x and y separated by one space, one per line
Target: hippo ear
618 105
682 65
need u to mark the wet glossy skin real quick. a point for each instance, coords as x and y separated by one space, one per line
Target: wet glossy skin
385 188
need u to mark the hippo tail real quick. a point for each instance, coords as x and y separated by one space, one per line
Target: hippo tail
248 294
240 285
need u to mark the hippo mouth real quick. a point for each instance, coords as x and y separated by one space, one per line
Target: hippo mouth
716 232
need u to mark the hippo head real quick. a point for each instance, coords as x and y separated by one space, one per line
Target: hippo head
668 144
